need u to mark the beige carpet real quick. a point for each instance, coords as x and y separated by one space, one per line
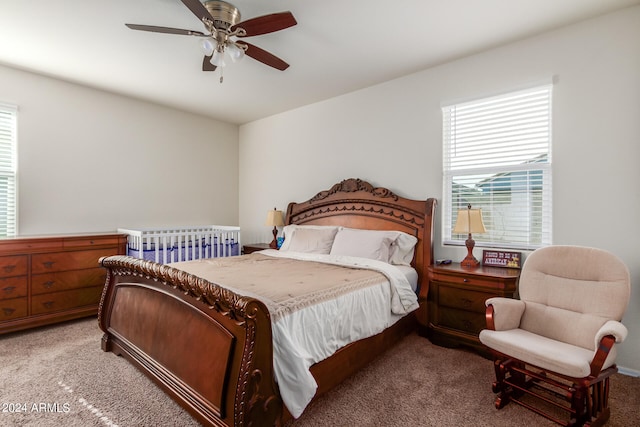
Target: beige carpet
58 376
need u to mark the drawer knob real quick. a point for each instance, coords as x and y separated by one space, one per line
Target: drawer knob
9 289
48 304
48 264
48 284
468 325
465 280
466 302
8 268
7 310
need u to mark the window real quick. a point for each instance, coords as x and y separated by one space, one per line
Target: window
497 157
8 130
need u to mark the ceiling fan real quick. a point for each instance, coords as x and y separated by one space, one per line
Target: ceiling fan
223 25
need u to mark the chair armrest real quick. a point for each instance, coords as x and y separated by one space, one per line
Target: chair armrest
504 313
614 328
610 333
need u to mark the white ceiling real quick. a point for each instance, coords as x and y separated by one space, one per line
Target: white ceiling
337 47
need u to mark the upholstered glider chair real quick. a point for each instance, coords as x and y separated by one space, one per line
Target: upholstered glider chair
554 347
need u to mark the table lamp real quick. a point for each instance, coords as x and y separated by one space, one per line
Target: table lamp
469 221
274 219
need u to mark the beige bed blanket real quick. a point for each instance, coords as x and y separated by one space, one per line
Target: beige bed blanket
285 285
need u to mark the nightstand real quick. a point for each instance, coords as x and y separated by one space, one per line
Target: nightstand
457 298
254 247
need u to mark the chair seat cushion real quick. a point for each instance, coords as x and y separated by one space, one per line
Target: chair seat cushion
542 352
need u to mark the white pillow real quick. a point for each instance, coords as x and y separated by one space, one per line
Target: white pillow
402 248
310 239
363 243
287 230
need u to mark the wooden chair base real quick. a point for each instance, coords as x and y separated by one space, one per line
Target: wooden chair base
564 400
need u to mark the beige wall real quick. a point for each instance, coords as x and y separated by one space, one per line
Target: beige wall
391 135
94 161
80 149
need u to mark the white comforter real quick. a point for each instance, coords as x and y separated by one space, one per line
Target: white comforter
312 334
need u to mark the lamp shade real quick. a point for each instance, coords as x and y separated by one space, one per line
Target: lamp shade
275 218
469 221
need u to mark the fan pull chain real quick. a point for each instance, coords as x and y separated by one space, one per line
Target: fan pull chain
221 76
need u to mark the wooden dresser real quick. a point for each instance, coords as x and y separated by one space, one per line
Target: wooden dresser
457 302
254 247
50 279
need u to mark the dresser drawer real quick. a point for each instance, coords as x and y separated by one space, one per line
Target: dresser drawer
13 265
461 320
13 308
88 242
462 298
58 301
13 287
64 280
70 260
22 247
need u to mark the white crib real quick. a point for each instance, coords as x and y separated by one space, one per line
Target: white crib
166 245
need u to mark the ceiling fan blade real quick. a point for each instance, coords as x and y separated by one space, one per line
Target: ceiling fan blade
165 30
265 57
198 9
266 24
207 65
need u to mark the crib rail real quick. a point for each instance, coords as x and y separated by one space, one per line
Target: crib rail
174 244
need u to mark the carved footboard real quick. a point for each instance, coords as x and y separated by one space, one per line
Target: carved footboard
207 347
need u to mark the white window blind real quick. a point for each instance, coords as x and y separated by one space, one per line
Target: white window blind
8 138
497 157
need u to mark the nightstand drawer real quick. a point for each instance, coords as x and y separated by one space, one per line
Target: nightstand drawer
463 299
461 320
468 280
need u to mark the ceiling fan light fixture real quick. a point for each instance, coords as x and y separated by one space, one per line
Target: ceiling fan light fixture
208 45
217 58
236 53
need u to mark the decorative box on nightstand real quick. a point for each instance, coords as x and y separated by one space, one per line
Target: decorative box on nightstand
254 247
457 298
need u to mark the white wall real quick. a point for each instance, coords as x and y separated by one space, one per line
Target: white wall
391 135
93 161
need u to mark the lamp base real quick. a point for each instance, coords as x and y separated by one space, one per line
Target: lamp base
274 242
469 261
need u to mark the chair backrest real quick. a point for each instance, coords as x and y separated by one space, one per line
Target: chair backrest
571 291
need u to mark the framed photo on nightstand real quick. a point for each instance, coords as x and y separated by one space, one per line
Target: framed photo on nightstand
501 259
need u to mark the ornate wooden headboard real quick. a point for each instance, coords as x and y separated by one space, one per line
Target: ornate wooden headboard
357 204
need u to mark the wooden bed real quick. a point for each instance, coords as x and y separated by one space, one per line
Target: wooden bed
211 349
